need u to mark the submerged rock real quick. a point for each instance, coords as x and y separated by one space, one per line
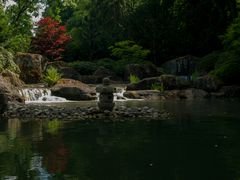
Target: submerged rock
227 92
73 90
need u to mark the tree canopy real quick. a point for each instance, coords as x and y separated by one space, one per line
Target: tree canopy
168 28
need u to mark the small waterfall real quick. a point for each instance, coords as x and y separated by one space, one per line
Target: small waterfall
39 95
118 95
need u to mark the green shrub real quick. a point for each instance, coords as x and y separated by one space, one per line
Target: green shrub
84 67
207 63
120 65
18 43
128 50
158 86
228 72
52 76
106 62
195 75
134 79
7 62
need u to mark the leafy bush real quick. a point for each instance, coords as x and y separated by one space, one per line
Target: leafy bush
133 79
120 65
18 43
106 62
195 75
52 76
128 50
231 39
84 67
7 62
228 72
158 86
207 63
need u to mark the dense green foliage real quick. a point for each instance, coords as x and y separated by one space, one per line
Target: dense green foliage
132 31
225 64
52 76
6 61
84 67
128 50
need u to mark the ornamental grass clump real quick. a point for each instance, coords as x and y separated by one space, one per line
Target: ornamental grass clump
52 76
134 79
158 87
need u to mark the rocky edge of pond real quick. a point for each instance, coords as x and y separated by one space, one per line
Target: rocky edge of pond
79 113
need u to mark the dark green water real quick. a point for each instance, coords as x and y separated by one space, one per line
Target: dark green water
202 142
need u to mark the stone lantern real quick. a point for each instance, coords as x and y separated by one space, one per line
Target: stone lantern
106 95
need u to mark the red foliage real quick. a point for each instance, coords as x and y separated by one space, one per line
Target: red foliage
50 39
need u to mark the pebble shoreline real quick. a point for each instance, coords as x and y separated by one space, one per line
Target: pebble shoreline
79 113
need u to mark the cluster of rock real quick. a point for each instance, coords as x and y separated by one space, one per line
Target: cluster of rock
176 88
88 113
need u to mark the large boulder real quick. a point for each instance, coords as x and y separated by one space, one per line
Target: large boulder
31 66
207 83
143 94
13 78
168 81
9 90
141 71
73 90
189 94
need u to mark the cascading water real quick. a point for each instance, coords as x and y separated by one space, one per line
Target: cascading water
39 95
44 95
118 95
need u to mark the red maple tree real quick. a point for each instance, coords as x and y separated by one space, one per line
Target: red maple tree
50 38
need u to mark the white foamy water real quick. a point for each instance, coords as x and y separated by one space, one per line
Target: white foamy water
39 95
118 95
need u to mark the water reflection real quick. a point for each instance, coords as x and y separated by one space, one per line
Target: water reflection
202 141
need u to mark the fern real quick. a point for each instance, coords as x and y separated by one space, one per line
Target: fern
52 76
133 79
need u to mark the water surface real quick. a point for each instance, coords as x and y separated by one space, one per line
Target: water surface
200 142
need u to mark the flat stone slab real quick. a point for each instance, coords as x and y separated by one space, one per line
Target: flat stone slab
90 113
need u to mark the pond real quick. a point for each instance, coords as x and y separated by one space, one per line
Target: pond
200 142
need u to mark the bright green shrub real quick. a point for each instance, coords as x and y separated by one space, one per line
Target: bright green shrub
7 62
84 67
133 79
128 50
18 43
158 87
52 76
